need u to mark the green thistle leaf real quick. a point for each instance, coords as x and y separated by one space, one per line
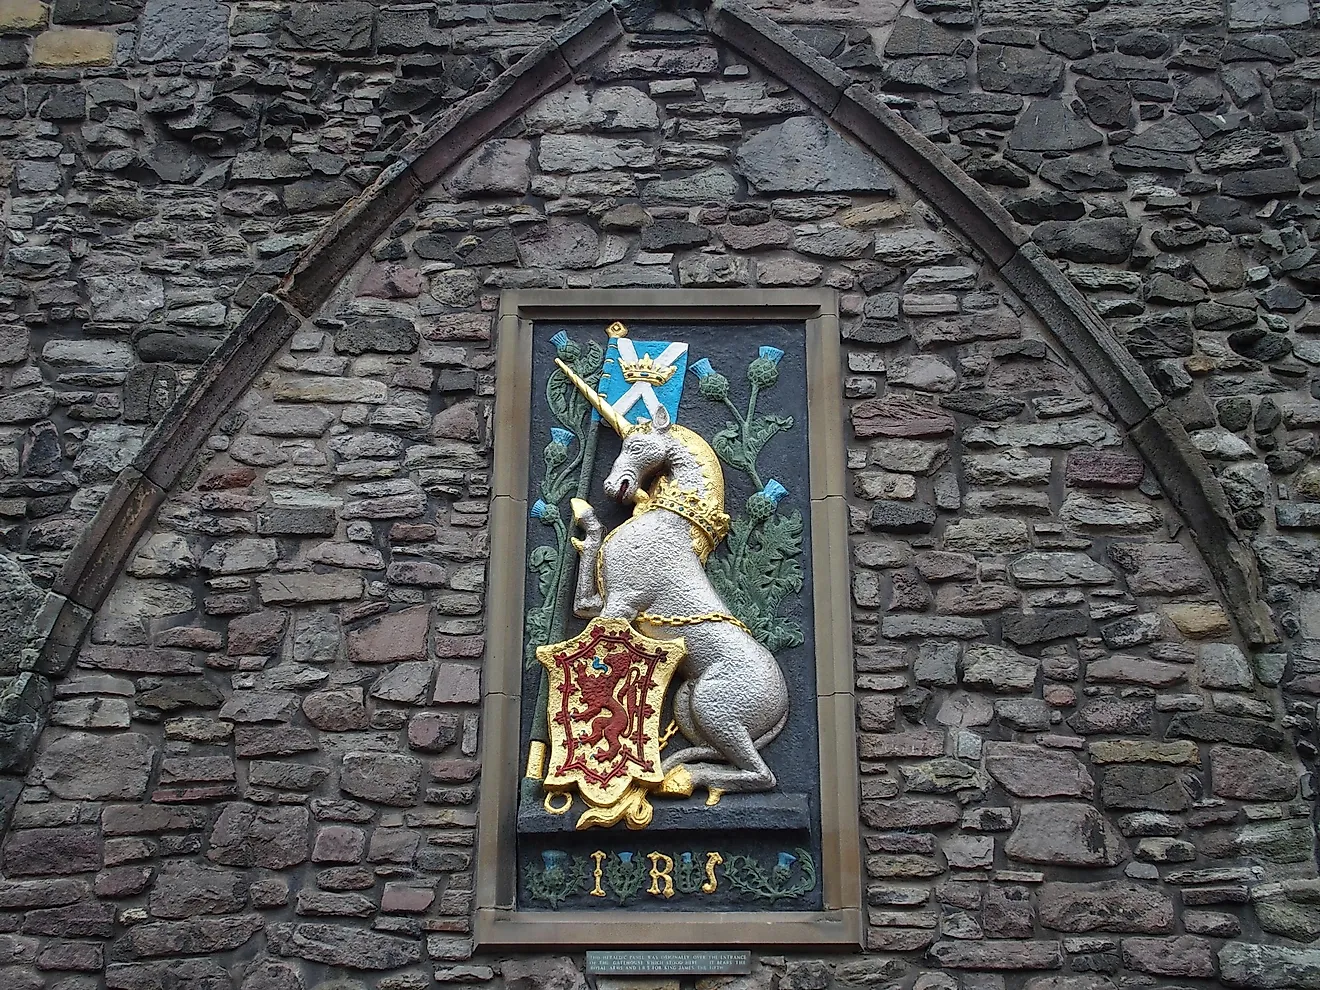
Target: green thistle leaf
727 443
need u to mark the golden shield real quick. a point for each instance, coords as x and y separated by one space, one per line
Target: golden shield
607 686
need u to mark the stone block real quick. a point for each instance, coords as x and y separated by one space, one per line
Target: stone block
22 16
381 777
73 47
915 743
1144 751
15 344
998 669
257 634
1250 775
910 813
497 168
339 844
988 535
457 684
339 710
1122 669
183 30
88 920
1042 625
1105 906
1103 469
342 946
46 851
1268 14
1269 967
184 889
408 898
1183 956
305 589
892 516
1065 834
118 820
997 954
931 626
937 664
392 638
1207 727
83 766
248 835
803 154
1222 665
1034 771
588 34
1043 570
433 732
259 706
309 521
338 27
406 684
196 973
1152 788
712 184
1132 630
1203 620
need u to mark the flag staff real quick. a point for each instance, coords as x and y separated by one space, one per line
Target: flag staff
540 735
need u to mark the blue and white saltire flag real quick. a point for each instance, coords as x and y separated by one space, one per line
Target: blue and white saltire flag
630 383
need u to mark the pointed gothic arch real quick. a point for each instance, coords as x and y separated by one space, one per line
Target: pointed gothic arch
1180 469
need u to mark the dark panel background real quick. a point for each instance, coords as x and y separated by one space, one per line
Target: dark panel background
746 824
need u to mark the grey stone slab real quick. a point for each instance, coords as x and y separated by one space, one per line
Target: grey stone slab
183 30
803 154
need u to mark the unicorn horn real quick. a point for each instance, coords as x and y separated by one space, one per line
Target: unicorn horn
607 413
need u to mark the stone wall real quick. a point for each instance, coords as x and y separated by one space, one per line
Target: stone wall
261 772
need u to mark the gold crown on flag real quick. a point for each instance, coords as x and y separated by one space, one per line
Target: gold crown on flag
646 370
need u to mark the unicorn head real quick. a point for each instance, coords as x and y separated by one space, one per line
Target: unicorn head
646 448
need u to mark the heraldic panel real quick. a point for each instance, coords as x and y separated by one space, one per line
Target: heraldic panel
669 722
669 727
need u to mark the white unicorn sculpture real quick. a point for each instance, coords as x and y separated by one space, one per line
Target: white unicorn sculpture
650 570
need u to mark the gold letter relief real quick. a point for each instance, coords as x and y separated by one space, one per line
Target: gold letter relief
712 860
659 874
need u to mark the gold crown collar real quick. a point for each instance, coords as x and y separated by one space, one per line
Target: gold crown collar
709 519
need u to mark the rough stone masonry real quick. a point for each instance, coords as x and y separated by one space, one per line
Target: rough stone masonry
258 769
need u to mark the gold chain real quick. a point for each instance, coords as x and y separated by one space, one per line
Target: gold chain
650 618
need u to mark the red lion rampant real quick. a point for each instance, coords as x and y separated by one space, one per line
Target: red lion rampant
610 717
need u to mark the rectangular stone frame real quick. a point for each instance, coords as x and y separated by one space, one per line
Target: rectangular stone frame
499 924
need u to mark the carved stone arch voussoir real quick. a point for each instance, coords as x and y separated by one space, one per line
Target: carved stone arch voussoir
1181 470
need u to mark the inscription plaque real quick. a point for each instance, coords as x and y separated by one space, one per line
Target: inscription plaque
669 962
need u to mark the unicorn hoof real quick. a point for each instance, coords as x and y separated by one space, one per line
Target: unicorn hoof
581 509
677 783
